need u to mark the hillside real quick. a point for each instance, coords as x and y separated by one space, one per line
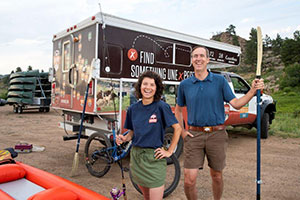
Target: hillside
272 66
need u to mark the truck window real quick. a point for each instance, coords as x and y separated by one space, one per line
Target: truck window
169 95
182 56
240 86
164 52
113 59
66 56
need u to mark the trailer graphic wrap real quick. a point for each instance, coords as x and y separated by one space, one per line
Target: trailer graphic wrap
127 54
72 57
115 52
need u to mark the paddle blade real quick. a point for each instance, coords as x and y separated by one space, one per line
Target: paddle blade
75 165
259 52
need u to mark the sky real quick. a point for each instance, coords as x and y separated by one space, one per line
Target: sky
27 27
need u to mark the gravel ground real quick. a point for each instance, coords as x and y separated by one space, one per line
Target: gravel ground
280 167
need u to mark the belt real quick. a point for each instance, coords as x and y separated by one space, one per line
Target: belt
207 129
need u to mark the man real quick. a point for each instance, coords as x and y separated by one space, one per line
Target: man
204 94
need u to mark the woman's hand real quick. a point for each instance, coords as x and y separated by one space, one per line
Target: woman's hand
162 153
120 139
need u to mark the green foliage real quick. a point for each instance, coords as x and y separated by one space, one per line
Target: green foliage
3 94
286 125
231 29
267 42
235 40
287 118
290 51
276 45
18 69
291 78
287 104
251 48
29 68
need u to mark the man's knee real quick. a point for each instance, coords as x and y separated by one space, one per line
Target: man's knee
190 178
216 176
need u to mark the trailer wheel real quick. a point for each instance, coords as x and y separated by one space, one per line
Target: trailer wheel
41 109
15 109
47 109
20 110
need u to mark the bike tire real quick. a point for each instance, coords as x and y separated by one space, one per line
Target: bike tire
97 159
169 187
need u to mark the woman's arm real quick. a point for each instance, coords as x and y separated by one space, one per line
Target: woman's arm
124 138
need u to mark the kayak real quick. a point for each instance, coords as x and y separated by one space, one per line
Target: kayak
21 181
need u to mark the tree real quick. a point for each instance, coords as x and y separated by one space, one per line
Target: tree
290 50
12 72
235 40
276 45
18 69
29 68
251 48
291 77
267 42
231 29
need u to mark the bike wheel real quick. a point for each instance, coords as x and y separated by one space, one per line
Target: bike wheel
97 158
172 177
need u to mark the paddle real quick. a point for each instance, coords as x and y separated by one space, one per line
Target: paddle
76 157
258 118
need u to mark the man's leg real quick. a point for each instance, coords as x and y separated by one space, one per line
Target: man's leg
217 183
190 180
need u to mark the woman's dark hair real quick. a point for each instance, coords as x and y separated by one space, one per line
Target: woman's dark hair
158 83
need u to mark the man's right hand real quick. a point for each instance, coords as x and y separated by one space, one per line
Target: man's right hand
185 133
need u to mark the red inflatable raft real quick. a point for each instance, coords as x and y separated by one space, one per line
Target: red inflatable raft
21 181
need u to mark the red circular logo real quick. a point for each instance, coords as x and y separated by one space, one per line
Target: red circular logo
132 54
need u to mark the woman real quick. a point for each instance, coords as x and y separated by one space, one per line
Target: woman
146 121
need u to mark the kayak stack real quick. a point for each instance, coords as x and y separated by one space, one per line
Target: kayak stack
29 90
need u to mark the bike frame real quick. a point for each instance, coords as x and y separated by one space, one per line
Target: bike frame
115 147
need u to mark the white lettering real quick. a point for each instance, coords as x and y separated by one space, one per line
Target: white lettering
172 74
137 70
146 57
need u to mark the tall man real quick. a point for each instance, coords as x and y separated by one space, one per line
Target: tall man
204 94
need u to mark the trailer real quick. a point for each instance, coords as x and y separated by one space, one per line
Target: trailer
29 90
114 52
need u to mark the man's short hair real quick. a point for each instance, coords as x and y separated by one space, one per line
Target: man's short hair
206 50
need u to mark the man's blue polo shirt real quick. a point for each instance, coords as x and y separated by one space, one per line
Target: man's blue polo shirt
205 99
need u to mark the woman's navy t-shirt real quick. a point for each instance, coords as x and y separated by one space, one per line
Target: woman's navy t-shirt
148 123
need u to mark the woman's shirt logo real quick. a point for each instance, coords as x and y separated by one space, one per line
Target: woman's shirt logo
153 119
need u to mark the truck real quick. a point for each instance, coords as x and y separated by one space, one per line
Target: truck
108 53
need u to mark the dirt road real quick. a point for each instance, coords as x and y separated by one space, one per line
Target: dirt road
280 160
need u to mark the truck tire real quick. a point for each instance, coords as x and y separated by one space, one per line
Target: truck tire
265 125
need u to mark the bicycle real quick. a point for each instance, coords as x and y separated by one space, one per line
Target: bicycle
101 152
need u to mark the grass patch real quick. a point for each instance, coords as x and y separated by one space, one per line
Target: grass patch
287 118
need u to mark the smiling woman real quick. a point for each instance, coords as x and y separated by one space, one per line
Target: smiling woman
146 121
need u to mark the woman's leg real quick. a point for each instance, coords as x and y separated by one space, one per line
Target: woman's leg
152 193
146 192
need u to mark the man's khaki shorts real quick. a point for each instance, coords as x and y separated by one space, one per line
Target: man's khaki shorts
213 145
